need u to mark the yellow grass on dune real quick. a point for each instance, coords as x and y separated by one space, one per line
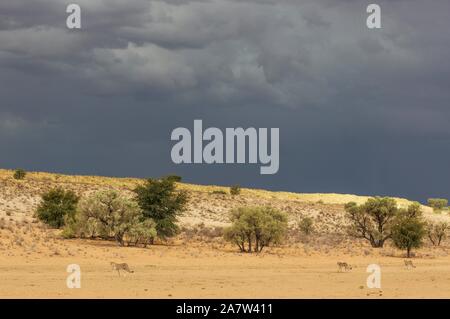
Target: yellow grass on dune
130 183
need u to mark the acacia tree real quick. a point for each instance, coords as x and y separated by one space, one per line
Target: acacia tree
372 220
112 214
436 232
56 206
408 232
254 228
239 233
413 211
161 202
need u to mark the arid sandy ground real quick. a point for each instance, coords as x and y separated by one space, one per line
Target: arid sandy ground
198 264
205 272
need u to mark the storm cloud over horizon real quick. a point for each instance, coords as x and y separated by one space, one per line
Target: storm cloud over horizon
360 111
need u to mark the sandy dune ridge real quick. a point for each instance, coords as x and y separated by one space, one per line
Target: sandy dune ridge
198 264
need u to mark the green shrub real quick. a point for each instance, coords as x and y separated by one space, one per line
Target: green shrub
235 190
143 233
19 174
306 225
174 178
407 233
83 226
69 230
160 202
437 203
256 228
106 214
56 207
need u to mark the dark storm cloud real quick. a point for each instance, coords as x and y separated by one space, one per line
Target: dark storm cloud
359 110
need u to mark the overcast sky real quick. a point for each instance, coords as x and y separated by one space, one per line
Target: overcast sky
360 111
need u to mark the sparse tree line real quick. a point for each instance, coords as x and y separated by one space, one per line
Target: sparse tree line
380 219
130 220
151 212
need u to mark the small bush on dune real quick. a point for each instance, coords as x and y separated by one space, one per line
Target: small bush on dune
235 190
56 207
437 203
19 174
219 192
306 225
174 178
